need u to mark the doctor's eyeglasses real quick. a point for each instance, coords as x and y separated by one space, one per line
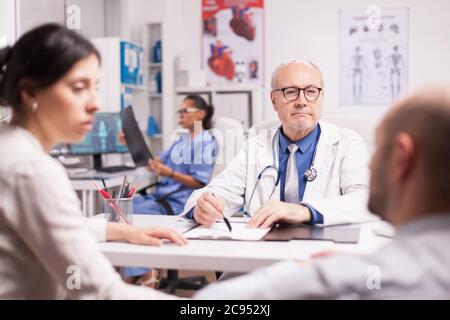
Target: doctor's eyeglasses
187 110
292 93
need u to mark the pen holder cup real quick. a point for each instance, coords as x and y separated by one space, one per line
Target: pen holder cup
118 210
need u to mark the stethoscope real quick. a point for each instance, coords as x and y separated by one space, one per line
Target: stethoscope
310 173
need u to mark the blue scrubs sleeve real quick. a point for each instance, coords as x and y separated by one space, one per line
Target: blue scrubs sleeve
164 156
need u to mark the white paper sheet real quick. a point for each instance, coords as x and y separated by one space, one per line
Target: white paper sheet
219 231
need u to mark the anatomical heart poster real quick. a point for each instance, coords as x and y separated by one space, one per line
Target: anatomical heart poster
233 41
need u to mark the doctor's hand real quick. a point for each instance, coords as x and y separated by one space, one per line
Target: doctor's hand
208 209
275 211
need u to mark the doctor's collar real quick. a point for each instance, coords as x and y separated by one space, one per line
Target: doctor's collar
303 144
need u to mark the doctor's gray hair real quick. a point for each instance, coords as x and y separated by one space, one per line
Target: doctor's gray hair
274 82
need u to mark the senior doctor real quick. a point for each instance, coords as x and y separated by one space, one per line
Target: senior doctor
299 171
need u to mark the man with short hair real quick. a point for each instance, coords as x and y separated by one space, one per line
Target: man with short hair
298 171
410 188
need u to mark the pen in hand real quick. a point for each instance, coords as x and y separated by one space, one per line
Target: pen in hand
227 222
225 219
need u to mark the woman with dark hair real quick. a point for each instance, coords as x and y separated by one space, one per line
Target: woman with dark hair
49 79
187 165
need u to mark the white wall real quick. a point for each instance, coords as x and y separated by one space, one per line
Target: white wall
314 25
7 22
301 29
318 40
93 23
138 13
36 12
33 13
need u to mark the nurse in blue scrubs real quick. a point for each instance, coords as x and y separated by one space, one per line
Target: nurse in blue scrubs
187 165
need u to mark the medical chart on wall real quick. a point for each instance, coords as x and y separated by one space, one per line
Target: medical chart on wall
373 56
232 41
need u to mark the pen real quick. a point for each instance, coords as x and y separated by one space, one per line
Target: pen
126 190
225 219
113 206
104 184
104 193
132 191
118 213
119 195
227 222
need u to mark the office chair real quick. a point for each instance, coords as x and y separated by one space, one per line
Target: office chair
229 135
265 124
366 129
172 282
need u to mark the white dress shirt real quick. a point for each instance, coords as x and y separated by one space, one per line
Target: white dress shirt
46 248
415 265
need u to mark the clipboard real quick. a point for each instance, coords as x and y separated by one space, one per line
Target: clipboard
337 234
137 146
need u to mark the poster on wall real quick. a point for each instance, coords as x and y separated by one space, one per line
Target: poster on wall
373 56
232 41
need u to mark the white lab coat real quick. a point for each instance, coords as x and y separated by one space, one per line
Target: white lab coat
339 192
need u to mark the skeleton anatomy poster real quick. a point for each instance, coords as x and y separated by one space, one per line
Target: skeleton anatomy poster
233 41
373 56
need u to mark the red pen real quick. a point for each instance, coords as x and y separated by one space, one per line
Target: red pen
104 193
113 206
132 191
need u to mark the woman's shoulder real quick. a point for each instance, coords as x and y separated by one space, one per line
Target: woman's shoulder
205 137
22 155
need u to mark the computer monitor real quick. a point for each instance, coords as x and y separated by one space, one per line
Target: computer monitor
102 139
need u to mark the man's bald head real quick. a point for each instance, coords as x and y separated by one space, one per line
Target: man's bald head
275 74
425 117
